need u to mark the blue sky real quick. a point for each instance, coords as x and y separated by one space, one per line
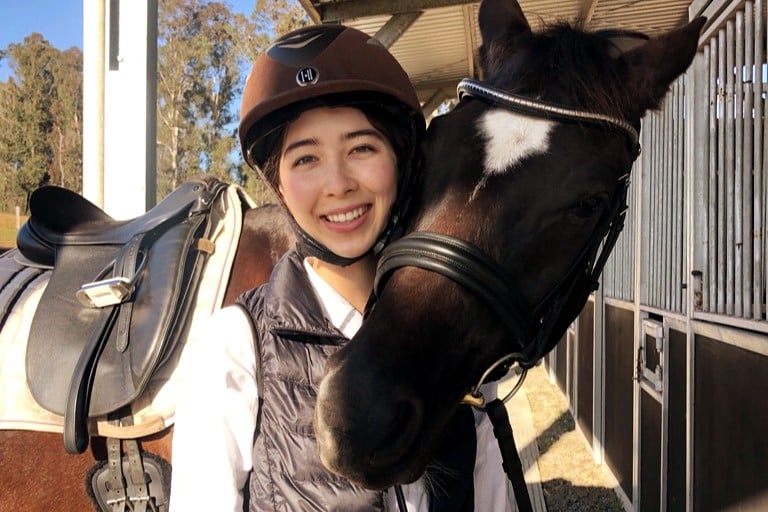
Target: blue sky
59 21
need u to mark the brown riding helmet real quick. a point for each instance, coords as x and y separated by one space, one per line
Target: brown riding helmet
314 61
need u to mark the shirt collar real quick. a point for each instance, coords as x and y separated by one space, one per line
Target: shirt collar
340 312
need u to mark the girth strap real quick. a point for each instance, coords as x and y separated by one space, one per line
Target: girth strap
137 491
124 486
116 484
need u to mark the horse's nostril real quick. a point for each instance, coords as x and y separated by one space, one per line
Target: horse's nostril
397 440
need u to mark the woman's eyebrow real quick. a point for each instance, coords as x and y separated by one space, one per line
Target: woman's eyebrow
300 143
365 132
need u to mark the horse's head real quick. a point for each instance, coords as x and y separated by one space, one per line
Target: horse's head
539 188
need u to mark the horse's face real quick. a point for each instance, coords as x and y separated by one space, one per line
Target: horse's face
528 191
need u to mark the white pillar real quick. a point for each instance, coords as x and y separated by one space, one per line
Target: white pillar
130 92
93 100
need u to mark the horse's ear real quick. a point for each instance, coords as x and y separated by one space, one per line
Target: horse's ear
624 41
501 23
657 63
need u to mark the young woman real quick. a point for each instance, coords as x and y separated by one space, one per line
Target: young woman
331 122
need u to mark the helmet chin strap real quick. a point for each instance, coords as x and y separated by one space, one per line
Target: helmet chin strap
308 246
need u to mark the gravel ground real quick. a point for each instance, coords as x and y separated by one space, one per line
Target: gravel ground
570 479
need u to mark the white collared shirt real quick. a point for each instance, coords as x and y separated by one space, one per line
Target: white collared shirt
216 419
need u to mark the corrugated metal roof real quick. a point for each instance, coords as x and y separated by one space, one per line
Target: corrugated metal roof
438 49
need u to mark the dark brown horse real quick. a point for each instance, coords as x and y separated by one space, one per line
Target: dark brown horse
525 181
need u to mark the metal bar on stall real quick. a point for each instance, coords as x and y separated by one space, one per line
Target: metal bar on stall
648 228
674 221
628 247
656 271
627 270
645 243
727 169
661 144
679 177
757 214
700 170
669 221
763 164
713 249
707 287
748 78
738 165
721 208
662 217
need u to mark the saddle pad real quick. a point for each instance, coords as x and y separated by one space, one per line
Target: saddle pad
154 409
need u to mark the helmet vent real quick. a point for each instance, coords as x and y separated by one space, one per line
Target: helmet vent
301 48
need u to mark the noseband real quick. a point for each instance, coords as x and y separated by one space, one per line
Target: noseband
470 267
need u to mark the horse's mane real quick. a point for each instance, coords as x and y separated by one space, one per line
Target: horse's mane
565 64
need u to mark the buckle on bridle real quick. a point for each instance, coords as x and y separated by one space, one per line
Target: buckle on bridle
476 399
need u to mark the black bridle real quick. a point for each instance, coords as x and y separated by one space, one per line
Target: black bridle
470 267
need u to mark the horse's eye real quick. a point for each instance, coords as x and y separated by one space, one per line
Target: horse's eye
587 208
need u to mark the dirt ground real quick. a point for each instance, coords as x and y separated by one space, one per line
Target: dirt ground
570 479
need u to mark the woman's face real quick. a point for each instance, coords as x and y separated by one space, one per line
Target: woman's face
338 178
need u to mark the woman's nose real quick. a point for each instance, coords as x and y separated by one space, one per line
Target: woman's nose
340 179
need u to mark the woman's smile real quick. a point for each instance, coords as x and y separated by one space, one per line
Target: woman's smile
347 218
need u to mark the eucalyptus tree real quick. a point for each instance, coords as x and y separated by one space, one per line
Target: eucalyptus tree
204 53
41 115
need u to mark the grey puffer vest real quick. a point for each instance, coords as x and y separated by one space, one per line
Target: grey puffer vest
293 341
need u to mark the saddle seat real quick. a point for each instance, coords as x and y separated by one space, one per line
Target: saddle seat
61 217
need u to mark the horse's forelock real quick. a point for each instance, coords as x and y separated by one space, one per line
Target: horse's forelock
564 64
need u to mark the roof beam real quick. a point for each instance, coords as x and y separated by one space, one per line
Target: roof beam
587 10
395 27
311 11
350 9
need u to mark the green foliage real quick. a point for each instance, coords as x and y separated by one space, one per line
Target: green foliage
41 112
205 51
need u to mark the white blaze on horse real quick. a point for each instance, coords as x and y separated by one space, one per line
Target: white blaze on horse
525 182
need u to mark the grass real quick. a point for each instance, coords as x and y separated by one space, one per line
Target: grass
8 229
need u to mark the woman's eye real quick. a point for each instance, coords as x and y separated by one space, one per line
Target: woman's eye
303 160
363 148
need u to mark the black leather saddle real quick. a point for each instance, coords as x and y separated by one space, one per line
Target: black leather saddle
119 299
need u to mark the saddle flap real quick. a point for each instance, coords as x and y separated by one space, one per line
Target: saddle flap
149 325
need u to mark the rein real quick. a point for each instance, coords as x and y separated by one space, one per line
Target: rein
468 266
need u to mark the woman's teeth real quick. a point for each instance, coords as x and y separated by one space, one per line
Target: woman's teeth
348 216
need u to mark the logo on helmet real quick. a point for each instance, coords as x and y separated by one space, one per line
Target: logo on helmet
307 76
